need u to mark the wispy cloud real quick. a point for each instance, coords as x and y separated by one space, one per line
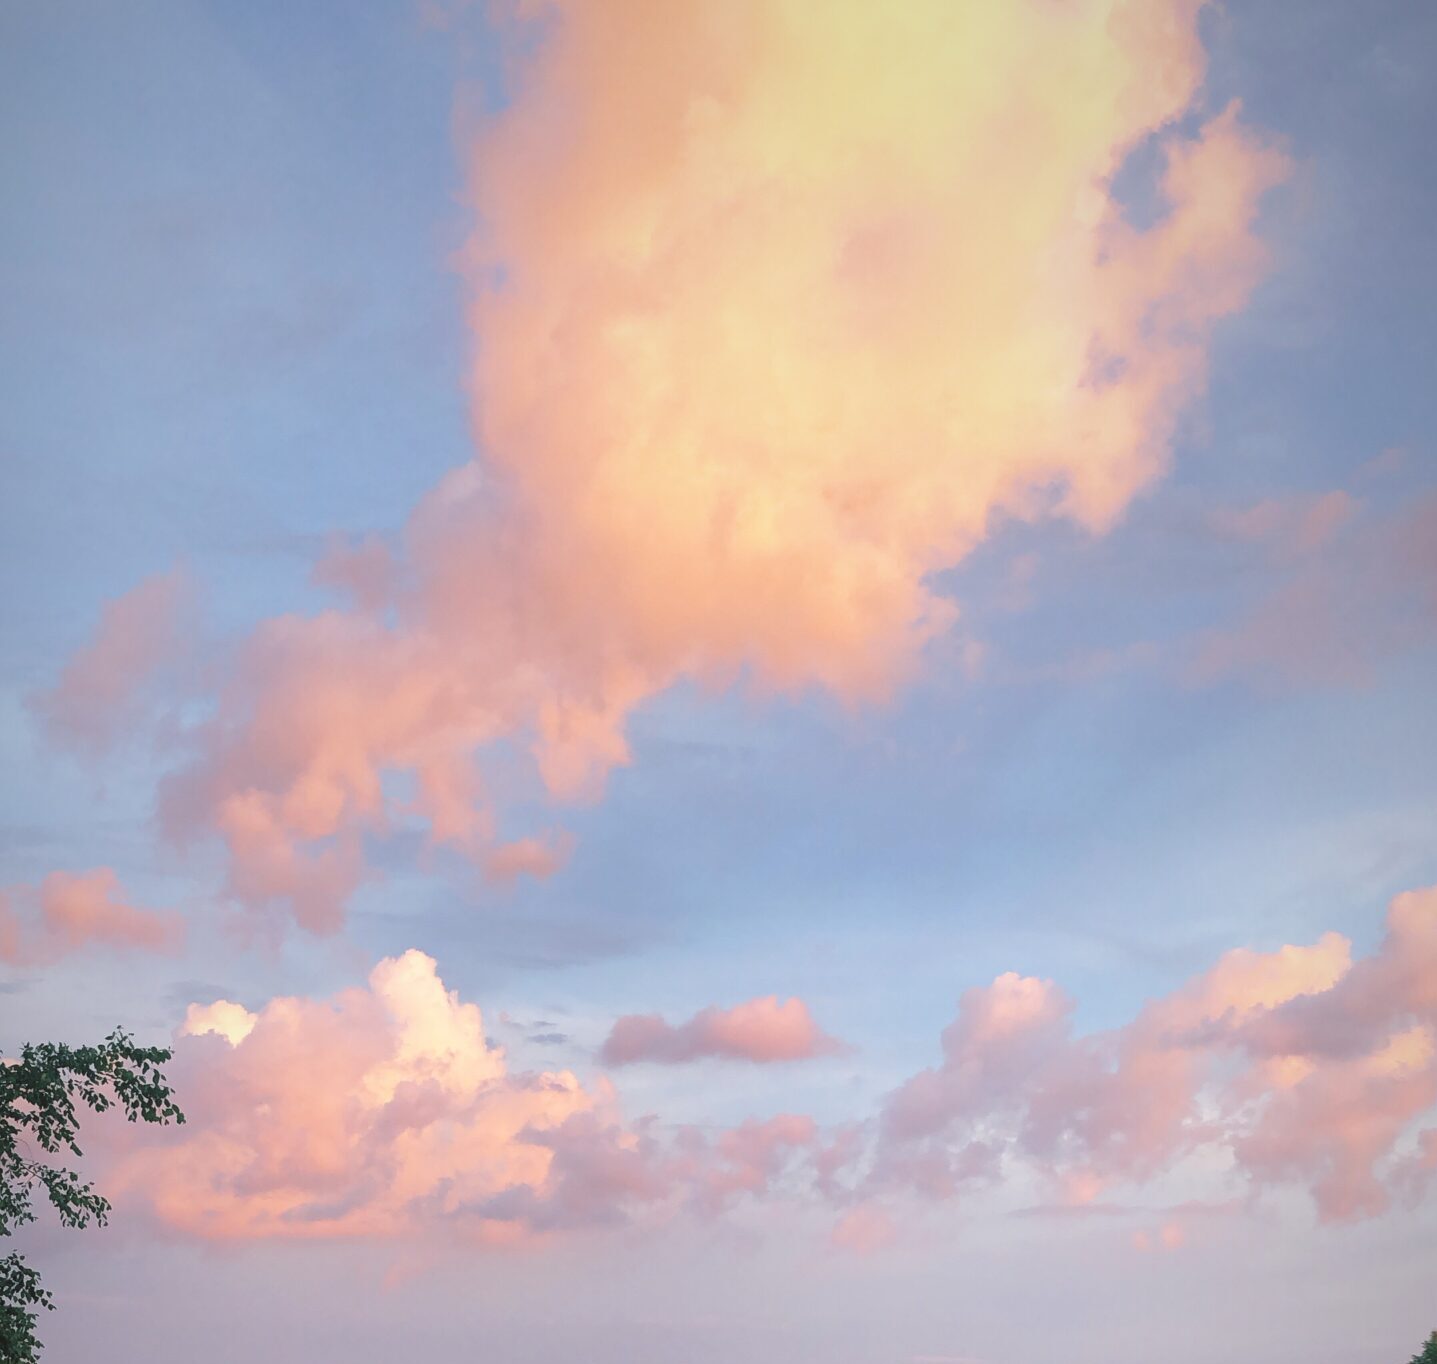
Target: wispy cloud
72 910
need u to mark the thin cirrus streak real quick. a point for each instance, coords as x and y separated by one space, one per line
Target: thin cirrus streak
72 910
385 1113
776 308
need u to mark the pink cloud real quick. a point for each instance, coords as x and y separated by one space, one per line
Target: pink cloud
1169 1236
758 353
368 1114
266 867
864 1230
760 1030
386 1113
70 911
1290 526
1355 587
364 569
1002 1035
604 1173
527 857
1300 1064
100 689
1348 1069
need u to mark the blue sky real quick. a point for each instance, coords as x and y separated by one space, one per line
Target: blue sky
235 327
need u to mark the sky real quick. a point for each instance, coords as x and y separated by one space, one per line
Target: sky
744 681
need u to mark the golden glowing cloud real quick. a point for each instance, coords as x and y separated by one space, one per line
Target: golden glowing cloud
776 306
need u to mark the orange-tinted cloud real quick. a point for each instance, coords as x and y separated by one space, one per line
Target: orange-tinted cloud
757 1030
1301 1064
101 687
69 911
775 308
385 1112
366 1114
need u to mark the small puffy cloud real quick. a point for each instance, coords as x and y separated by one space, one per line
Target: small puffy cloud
1002 1034
69 911
225 1019
760 1030
527 857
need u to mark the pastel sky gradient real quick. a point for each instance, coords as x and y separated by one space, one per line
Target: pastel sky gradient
748 680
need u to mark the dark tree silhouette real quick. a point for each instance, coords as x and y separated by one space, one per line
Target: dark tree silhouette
1428 1354
39 1094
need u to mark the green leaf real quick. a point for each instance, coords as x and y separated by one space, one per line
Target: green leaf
42 1095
